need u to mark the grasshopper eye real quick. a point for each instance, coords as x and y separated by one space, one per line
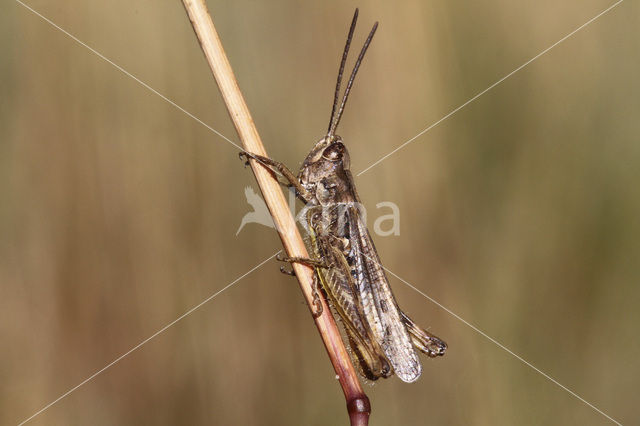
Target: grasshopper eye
334 152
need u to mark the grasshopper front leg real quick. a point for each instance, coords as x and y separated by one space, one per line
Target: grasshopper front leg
284 170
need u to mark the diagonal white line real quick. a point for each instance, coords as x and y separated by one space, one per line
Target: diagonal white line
139 345
491 87
125 72
503 347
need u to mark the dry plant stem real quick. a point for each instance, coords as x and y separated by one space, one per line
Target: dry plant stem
357 402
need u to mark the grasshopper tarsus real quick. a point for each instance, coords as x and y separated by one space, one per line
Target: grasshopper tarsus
259 158
246 158
287 271
265 161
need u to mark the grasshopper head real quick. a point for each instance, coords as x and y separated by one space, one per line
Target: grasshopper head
328 149
326 163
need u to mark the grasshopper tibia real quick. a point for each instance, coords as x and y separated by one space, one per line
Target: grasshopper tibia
318 263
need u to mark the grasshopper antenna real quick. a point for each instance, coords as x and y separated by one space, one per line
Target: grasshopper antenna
342 64
336 116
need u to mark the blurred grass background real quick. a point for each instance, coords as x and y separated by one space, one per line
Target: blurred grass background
119 212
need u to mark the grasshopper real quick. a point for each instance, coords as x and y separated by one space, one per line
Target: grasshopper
383 339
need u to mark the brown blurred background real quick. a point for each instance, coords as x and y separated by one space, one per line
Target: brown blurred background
118 212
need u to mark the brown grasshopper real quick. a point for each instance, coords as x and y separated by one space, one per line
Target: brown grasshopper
383 339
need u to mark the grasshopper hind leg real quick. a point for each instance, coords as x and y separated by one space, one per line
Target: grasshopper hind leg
372 366
316 303
426 342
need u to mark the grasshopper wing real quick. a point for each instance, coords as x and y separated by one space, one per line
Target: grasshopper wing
381 311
